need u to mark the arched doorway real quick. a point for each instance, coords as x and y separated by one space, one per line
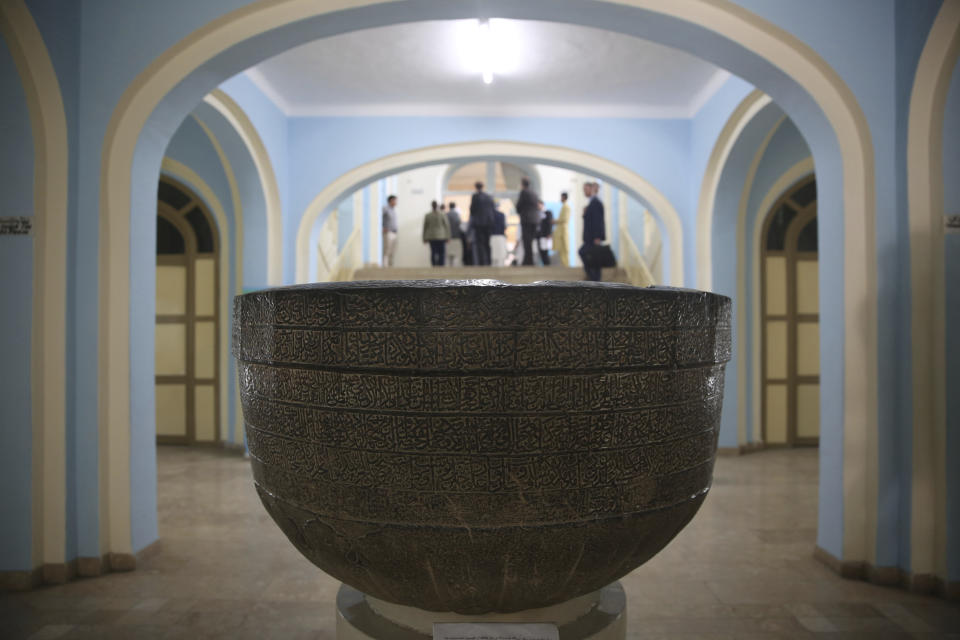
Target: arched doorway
187 370
790 328
518 153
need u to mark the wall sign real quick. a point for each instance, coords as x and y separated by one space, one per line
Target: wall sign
951 224
16 226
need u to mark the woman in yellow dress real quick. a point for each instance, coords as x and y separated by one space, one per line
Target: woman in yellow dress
560 225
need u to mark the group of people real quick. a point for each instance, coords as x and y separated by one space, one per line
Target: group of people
481 240
538 227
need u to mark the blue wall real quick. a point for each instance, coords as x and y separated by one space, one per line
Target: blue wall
252 199
785 149
16 314
725 256
346 219
367 230
273 127
190 146
705 128
613 234
951 147
322 149
951 181
913 20
635 222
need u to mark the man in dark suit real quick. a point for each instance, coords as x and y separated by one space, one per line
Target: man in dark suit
594 229
481 221
528 208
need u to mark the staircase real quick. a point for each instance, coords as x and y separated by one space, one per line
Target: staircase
510 275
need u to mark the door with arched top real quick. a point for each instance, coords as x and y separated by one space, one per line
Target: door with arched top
790 330
186 340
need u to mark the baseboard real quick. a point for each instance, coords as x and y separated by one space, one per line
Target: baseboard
234 447
885 576
922 583
952 592
750 447
59 572
149 551
91 567
62 572
21 580
121 562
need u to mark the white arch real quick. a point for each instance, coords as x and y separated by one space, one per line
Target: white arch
237 270
742 216
501 149
48 122
238 119
745 112
928 535
783 50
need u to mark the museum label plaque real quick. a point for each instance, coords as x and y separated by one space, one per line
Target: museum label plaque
495 631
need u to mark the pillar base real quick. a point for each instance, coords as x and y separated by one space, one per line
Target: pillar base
597 616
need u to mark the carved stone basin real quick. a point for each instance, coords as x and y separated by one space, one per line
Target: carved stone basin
473 446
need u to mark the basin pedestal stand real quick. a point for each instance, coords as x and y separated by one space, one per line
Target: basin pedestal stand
600 615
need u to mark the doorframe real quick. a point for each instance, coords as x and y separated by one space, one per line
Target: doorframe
191 254
792 317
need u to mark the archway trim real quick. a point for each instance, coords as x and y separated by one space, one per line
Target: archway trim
925 197
237 203
738 121
48 122
780 48
548 154
742 217
238 119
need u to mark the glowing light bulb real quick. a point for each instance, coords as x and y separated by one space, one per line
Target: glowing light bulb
486 51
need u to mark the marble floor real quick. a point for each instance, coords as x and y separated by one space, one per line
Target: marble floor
743 568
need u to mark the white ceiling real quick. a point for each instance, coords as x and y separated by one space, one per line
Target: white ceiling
543 69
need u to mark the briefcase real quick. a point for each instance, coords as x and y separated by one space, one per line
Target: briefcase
598 255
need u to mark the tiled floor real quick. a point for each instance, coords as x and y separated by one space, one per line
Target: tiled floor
742 569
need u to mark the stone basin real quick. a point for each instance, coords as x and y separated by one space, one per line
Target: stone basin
475 447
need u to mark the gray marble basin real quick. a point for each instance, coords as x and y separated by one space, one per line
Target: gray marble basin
472 446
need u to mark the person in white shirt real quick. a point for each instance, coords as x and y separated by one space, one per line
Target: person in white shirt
455 246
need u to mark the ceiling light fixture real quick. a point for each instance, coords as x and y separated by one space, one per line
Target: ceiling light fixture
488 47
486 50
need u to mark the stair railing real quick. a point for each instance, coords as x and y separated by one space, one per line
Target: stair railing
348 260
631 260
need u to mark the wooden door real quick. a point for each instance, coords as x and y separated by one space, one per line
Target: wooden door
187 337
790 315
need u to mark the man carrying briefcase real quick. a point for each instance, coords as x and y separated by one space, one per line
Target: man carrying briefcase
594 253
